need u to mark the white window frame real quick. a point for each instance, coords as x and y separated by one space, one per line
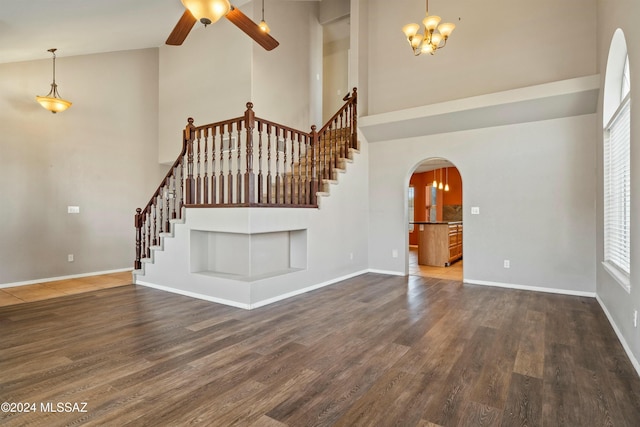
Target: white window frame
617 192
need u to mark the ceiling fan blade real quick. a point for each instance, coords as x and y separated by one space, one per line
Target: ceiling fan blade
243 22
182 29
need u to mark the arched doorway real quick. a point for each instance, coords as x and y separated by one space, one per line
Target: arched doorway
435 220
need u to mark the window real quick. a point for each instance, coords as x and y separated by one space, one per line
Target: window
617 165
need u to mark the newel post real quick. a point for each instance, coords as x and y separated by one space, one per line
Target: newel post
137 265
190 190
249 184
314 177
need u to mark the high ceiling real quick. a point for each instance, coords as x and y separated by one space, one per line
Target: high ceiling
77 27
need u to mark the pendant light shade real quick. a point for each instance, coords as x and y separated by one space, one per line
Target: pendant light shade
52 101
446 182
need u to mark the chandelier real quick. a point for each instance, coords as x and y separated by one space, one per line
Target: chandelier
52 101
435 34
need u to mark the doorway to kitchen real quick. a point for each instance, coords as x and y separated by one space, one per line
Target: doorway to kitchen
435 220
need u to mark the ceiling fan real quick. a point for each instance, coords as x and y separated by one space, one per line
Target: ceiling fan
210 11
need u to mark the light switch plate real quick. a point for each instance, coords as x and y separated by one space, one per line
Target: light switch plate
475 210
73 209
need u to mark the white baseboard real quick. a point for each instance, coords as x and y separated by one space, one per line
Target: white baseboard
194 295
388 272
305 290
54 279
252 305
626 347
531 288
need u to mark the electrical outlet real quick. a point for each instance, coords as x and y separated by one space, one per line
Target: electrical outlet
475 210
351 256
394 253
507 263
70 257
73 209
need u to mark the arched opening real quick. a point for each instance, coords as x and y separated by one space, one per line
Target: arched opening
434 220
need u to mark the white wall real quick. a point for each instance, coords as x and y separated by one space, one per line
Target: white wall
99 155
208 78
534 185
497 45
284 84
335 76
613 14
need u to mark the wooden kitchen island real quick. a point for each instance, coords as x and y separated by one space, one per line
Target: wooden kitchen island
439 243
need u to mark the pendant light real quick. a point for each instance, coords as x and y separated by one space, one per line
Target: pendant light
435 181
263 24
53 102
446 185
440 186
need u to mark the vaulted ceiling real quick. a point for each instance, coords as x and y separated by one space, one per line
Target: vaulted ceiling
76 27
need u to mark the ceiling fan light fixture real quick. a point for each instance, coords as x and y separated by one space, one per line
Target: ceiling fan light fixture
52 101
263 24
207 11
264 27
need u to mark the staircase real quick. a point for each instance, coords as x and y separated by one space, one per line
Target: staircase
246 161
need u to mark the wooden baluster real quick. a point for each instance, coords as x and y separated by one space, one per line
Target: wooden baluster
148 228
143 233
341 139
313 189
205 179
213 166
293 162
222 165
159 210
284 167
354 119
230 164
277 132
137 264
306 181
154 241
180 172
173 193
249 180
299 172
190 189
269 178
260 177
329 153
239 162
166 193
198 199
334 143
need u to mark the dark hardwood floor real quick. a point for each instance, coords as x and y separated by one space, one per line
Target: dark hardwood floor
374 350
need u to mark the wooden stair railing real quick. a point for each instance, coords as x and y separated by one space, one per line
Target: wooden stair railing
217 168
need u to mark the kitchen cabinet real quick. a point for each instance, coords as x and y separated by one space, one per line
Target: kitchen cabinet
439 243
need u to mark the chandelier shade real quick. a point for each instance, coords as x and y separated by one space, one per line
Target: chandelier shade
52 101
434 37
